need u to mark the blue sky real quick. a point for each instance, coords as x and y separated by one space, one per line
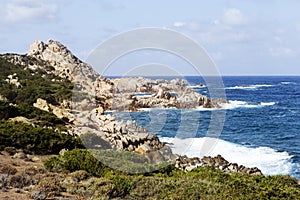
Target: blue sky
247 37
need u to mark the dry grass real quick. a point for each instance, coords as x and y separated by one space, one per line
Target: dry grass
23 168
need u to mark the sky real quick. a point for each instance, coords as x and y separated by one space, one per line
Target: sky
248 37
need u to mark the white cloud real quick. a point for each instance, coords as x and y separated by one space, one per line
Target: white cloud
178 24
20 11
233 17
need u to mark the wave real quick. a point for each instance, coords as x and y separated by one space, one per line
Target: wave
243 104
267 103
197 86
268 160
287 83
233 104
158 108
248 87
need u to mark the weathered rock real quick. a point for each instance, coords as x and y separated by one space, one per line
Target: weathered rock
20 119
42 104
100 110
63 151
62 113
66 65
20 155
13 80
218 162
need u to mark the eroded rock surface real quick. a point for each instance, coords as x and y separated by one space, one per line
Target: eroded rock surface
218 162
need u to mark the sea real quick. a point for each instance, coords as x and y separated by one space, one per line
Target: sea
261 126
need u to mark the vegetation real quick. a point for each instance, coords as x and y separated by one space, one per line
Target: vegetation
35 139
170 183
35 84
39 117
95 162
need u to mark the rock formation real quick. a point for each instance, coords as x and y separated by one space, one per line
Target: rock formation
218 162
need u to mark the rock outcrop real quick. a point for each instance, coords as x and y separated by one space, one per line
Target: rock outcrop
65 64
163 94
13 80
218 162
62 111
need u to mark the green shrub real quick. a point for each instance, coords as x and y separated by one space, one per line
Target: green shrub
35 139
123 185
35 84
97 162
77 159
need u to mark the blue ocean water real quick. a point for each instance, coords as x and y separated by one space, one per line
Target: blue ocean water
262 124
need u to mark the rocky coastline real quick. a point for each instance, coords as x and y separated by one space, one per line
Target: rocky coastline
95 94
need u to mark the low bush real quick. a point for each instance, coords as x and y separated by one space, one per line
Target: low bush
21 180
77 159
35 139
98 162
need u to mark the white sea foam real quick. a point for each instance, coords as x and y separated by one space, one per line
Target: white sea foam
197 86
154 109
286 83
233 104
248 87
267 103
268 160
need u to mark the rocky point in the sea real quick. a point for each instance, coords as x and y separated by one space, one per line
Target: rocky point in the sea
95 94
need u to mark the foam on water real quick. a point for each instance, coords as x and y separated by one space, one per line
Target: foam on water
233 104
270 161
153 109
248 87
267 103
197 86
286 83
227 106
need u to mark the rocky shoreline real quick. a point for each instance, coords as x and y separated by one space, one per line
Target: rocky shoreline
95 94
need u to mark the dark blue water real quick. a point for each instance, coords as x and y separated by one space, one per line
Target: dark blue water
264 112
